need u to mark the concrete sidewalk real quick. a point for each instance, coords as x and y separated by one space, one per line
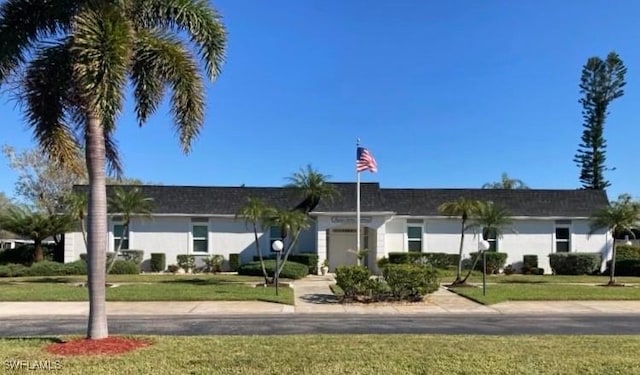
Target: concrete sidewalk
313 296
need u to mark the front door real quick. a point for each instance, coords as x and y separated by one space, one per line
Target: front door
342 244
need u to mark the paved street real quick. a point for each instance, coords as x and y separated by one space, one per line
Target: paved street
331 324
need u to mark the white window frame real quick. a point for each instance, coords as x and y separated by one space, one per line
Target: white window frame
555 237
494 240
409 240
194 239
116 238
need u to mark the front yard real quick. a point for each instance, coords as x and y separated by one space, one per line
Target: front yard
144 288
349 354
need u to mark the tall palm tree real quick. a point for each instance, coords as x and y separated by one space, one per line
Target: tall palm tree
493 221
36 226
506 183
291 223
620 218
313 187
126 203
72 60
256 212
464 208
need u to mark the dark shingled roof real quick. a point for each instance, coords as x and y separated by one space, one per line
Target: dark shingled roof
203 200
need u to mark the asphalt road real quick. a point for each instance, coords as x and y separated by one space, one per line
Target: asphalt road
331 324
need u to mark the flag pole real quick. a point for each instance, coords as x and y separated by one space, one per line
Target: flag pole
357 207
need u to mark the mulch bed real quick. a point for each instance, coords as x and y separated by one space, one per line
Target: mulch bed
109 346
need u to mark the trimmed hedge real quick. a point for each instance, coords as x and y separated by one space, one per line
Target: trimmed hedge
13 270
627 252
44 268
437 260
410 281
24 254
135 256
495 261
529 264
352 280
308 259
110 256
574 263
234 262
158 262
627 267
125 267
291 270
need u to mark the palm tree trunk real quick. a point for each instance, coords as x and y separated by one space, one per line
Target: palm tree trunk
125 229
83 228
459 269
37 251
264 268
97 225
288 251
612 275
473 266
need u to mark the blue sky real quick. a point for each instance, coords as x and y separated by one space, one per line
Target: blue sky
443 93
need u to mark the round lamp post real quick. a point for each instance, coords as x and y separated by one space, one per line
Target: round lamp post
277 247
483 246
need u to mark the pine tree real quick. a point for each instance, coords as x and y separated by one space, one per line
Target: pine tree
602 82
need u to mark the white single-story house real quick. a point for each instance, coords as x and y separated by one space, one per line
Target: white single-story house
202 221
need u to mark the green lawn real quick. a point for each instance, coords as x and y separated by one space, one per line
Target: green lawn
142 278
548 292
179 289
352 354
447 276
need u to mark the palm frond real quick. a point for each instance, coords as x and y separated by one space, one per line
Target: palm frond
23 23
167 58
130 202
195 17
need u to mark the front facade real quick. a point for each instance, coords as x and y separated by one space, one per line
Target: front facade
202 221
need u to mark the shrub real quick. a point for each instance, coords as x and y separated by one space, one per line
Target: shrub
291 270
125 267
135 256
46 268
574 263
24 254
110 256
627 252
529 264
213 263
186 262
538 271
627 267
234 262
12 270
437 260
352 280
309 260
173 268
382 262
495 261
79 267
509 270
410 281
158 262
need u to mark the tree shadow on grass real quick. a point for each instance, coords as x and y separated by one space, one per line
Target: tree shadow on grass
321 299
42 280
50 339
198 281
524 282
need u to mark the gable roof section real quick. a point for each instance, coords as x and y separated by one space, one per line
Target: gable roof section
205 200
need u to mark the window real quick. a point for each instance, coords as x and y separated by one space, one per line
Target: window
491 237
120 235
200 234
275 233
414 237
563 242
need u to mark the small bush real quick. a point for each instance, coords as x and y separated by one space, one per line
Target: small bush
309 260
173 268
437 260
574 263
186 262
125 267
410 281
529 264
135 256
12 270
158 262
627 267
352 280
24 254
46 268
214 263
291 270
404 257
234 262
79 267
110 256
538 271
495 261
509 270
627 252
382 262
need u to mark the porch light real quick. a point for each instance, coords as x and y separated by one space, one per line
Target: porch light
627 241
277 246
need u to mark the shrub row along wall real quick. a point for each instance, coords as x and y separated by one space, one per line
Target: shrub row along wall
575 263
437 260
291 270
79 267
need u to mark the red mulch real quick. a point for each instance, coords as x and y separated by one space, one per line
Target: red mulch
109 346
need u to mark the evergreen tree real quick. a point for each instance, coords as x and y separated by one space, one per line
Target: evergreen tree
602 82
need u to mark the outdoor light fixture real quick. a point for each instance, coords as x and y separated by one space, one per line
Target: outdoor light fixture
483 246
277 246
627 241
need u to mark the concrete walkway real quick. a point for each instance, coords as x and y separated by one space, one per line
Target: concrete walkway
313 296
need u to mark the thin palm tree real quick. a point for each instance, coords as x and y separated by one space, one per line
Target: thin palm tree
291 223
506 183
313 186
255 213
127 203
76 208
70 62
493 221
36 226
620 218
464 208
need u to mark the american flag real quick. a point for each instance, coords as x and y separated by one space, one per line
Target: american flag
365 161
